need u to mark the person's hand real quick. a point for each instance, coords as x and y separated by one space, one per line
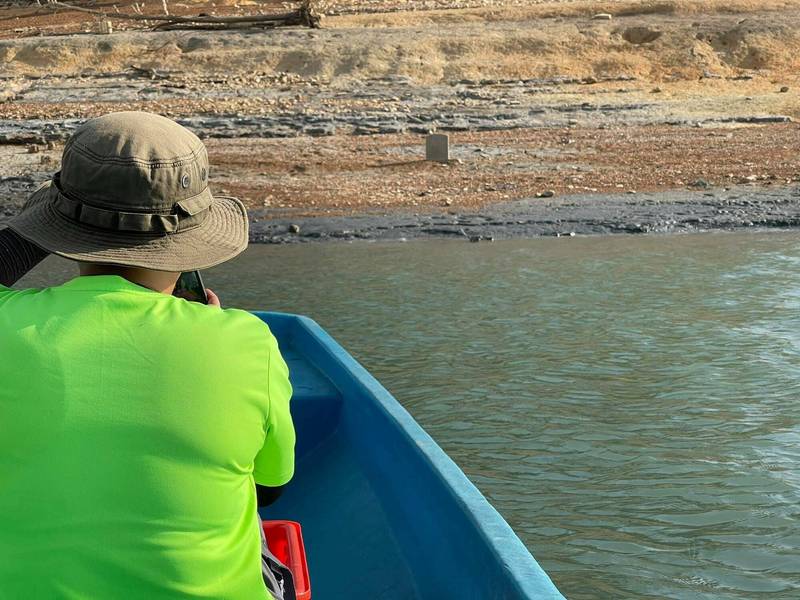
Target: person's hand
213 299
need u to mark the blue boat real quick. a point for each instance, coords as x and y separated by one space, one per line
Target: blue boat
385 513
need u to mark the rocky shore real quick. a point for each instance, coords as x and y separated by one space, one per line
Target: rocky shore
664 212
658 117
737 208
41 109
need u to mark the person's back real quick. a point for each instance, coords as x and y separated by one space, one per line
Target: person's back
133 425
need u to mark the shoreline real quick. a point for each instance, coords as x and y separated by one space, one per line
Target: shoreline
650 119
759 204
548 176
672 212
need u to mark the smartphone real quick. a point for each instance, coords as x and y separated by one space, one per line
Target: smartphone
190 287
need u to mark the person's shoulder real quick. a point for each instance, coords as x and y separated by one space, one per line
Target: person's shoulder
7 293
235 325
252 325
230 317
246 320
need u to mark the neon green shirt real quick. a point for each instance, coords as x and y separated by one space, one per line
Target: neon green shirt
132 427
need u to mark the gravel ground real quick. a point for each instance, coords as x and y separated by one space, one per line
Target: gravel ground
308 205
346 175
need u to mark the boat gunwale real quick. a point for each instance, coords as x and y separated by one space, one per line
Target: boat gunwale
522 569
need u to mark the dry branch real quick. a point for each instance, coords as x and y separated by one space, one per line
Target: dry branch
304 15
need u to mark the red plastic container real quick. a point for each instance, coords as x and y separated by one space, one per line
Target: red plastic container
285 541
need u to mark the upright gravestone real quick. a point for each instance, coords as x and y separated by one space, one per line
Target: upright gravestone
437 147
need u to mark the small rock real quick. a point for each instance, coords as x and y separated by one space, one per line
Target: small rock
293 228
196 43
765 119
546 194
784 89
437 148
33 149
701 183
641 35
656 90
448 202
631 191
602 17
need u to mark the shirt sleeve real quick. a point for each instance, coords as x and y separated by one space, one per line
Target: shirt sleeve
274 464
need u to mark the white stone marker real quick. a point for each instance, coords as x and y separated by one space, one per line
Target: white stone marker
437 147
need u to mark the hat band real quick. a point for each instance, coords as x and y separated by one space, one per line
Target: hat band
187 214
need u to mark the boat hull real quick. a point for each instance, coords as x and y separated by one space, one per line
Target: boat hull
385 512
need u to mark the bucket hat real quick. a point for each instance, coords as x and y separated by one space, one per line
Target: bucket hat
133 191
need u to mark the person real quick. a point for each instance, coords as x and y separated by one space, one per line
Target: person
134 425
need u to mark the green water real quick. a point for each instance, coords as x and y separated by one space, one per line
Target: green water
629 404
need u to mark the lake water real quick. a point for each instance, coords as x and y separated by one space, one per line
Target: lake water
631 405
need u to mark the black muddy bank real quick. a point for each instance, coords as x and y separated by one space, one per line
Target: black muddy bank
677 211
664 212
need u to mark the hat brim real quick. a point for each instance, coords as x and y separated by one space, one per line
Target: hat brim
221 236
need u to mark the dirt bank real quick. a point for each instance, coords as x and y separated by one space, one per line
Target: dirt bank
529 182
350 174
539 98
655 41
